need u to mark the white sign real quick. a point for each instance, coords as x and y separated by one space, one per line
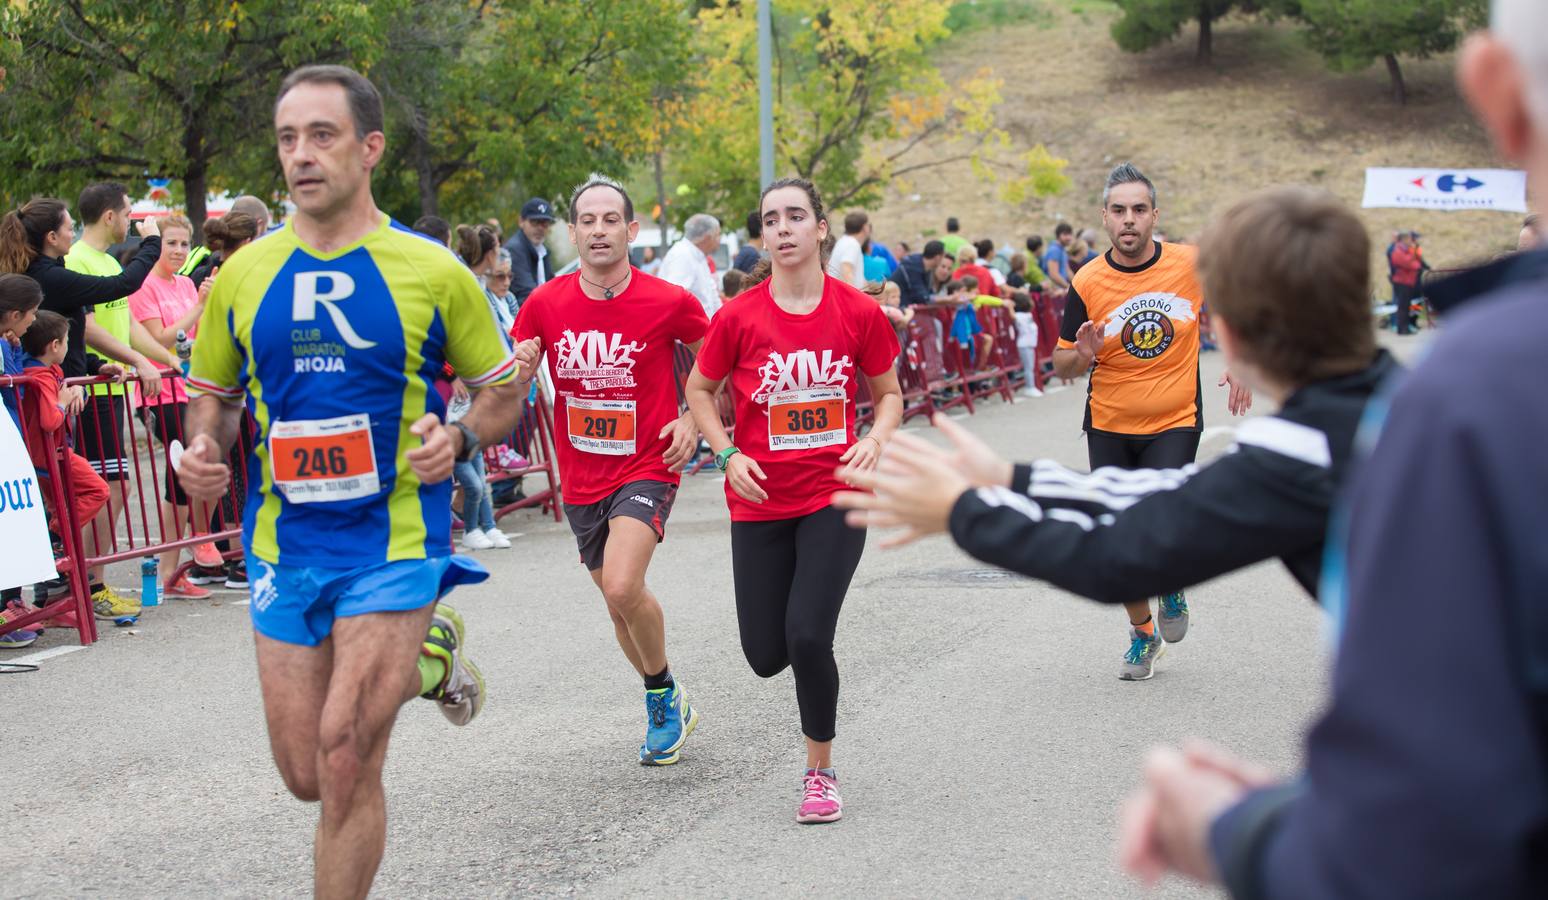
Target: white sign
1447 190
26 556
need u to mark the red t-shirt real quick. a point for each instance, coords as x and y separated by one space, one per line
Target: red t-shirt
610 362
796 376
986 282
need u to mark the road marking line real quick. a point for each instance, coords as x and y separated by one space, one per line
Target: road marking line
41 655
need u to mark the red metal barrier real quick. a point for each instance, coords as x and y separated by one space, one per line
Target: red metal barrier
140 492
54 480
994 378
533 439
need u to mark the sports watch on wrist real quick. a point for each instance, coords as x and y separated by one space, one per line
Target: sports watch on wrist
724 457
469 442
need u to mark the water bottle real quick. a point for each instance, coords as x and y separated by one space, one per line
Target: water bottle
150 583
184 349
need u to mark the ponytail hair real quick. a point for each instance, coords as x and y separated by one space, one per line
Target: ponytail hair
23 229
475 242
230 231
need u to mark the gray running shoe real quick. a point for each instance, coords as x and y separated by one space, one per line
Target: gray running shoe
461 695
1140 662
1173 610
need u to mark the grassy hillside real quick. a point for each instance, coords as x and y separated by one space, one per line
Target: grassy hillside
1267 112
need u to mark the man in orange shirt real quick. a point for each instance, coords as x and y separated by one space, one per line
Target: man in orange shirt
1132 319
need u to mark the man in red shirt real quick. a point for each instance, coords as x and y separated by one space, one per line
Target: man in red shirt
608 331
1405 262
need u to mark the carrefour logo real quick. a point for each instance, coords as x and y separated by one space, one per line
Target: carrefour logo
1450 183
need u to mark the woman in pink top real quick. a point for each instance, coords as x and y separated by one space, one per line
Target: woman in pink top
166 304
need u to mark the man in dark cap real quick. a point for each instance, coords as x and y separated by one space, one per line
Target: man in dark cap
529 257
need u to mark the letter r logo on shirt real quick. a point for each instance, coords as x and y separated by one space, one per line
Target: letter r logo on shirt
308 297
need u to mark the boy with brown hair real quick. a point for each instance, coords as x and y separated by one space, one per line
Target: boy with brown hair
46 341
1288 273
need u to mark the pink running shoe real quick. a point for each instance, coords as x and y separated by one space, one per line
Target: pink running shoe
820 801
207 555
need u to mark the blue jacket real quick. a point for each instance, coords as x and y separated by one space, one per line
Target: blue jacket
1428 775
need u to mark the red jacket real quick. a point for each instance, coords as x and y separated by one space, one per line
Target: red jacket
1405 265
46 416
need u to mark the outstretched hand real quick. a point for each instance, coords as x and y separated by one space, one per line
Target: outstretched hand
1240 399
914 488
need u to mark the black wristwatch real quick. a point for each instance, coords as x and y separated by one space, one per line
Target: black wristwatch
469 442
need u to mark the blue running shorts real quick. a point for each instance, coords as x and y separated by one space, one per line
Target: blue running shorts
298 604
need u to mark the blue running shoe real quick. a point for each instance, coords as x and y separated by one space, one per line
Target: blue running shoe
1173 610
668 722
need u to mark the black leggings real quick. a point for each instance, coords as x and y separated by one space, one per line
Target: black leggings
791 576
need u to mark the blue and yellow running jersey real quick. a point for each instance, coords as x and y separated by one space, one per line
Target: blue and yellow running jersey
337 354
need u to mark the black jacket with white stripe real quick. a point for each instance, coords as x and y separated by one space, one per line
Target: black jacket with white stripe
1117 534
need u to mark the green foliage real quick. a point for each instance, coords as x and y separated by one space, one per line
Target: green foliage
499 100
1150 23
486 100
967 16
1352 34
97 89
856 98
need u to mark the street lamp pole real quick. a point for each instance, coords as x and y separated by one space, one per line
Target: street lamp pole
765 94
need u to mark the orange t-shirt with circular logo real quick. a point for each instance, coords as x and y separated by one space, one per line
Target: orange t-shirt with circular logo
1146 378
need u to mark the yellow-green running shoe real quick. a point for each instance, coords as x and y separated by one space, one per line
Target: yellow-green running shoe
461 693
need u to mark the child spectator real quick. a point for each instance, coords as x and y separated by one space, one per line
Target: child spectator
965 327
890 296
1026 339
732 283
20 297
46 342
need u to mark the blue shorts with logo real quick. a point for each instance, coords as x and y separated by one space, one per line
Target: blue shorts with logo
298 604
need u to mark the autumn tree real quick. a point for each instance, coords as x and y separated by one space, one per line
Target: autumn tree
858 106
120 89
497 99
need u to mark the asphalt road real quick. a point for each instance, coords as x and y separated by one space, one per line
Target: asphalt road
984 743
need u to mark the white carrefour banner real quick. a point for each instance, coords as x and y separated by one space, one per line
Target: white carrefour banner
25 553
1448 190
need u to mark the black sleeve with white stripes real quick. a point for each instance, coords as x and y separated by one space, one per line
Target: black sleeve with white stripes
1116 536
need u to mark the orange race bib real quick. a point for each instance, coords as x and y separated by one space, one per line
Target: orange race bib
601 426
323 460
801 420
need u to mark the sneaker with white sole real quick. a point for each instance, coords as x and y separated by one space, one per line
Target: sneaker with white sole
1139 663
820 801
498 538
1172 612
476 540
461 693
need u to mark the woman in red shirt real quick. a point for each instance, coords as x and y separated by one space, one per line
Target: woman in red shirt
794 348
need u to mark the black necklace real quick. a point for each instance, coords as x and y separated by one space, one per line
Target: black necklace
607 292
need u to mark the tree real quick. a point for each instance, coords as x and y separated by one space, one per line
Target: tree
490 99
122 89
856 101
1150 23
1352 34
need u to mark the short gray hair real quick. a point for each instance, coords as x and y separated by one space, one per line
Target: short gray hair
502 257
1519 25
1126 173
699 226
